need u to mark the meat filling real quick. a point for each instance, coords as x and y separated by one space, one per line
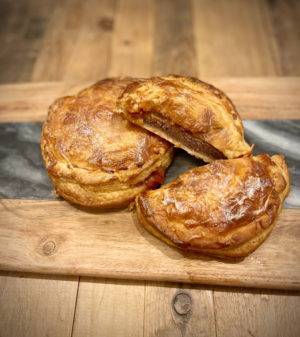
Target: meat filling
182 136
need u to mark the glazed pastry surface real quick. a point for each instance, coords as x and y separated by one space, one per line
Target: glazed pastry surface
94 156
204 113
225 209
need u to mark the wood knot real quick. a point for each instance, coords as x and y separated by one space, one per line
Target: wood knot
127 42
49 248
182 303
106 23
49 245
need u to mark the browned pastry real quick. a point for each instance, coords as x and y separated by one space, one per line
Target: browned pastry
93 155
224 209
189 113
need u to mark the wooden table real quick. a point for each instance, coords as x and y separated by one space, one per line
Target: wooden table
52 40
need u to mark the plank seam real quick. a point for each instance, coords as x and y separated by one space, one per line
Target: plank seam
110 47
75 307
193 17
195 50
272 42
215 313
145 285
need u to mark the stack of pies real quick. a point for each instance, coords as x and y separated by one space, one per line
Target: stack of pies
112 142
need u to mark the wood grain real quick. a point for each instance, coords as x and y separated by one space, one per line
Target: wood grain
255 98
77 242
174 47
91 53
232 38
58 43
39 306
74 55
98 33
257 313
114 308
23 25
285 16
132 43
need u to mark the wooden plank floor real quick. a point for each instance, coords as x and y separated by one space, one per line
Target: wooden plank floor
73 40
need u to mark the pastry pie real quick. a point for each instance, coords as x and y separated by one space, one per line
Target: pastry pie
93 155
189 113
224 209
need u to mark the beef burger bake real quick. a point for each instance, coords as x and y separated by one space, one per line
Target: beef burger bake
189 113
111 144
93 155
225 209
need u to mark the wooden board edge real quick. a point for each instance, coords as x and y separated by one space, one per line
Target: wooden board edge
282 284
255 97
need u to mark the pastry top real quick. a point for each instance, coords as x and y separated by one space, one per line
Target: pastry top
196 106
85 139
223 204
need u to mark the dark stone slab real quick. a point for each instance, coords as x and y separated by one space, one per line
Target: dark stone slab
276 137
22 173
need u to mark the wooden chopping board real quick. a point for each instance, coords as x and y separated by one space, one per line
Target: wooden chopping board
51 236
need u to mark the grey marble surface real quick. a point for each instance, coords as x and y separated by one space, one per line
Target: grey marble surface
283 137
22 174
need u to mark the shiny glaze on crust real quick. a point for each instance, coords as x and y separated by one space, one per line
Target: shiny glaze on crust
198 107
85 132
221 205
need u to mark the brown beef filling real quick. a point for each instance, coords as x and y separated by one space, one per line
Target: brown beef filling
182 136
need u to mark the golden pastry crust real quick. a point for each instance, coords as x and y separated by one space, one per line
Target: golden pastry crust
224 209
189 113
94 156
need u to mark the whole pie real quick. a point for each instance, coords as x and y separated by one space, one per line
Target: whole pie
94 156
224 209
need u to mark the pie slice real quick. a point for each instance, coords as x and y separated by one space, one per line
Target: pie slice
189 113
